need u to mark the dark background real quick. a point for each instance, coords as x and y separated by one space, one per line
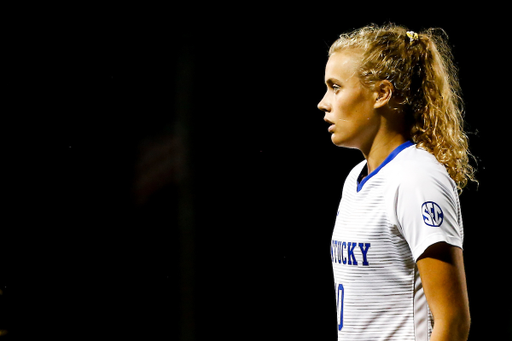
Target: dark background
168 175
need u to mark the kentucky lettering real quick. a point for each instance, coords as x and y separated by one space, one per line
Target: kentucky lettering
345 252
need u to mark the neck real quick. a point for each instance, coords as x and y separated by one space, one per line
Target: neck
380 148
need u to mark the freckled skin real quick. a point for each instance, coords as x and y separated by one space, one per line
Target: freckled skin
347 103
361 116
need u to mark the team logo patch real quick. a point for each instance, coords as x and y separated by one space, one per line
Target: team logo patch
432 214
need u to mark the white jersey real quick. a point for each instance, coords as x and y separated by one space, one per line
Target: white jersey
384 224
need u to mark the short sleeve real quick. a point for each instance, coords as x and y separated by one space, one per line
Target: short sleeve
428 210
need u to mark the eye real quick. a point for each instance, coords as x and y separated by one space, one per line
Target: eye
336 88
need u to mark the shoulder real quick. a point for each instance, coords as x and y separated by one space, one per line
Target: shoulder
420 182
425 201
416 169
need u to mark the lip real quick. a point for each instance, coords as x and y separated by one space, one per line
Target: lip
331 127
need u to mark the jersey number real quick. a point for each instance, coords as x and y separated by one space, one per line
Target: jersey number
340 293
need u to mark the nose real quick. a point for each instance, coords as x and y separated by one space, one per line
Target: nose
324 105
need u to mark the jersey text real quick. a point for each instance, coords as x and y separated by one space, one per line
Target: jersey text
345 252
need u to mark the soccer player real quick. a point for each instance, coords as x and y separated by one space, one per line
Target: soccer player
397 241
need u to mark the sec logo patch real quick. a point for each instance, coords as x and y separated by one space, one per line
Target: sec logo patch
432 214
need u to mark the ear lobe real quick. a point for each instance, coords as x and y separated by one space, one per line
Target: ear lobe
384 90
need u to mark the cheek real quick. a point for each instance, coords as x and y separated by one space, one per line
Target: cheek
353 120
352 107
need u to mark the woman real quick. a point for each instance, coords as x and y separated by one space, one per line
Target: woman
397 241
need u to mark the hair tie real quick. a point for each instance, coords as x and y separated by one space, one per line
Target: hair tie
412 35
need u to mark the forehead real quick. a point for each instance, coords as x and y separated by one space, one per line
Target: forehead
342 65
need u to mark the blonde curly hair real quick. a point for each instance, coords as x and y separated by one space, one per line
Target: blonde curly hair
420 67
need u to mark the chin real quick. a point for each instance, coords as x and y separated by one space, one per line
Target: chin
337 141
341 142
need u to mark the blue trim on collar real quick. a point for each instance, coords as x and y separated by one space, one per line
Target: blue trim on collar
390 157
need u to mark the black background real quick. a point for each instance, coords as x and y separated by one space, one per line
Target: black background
168 175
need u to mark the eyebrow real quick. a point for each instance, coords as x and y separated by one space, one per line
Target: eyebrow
331 81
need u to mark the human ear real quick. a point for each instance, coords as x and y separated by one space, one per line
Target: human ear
384 91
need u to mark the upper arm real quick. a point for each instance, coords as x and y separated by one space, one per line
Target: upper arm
442 273
428 211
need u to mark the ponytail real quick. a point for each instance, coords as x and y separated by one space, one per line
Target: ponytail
421 69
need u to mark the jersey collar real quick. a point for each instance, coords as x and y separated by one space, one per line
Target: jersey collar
394 153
